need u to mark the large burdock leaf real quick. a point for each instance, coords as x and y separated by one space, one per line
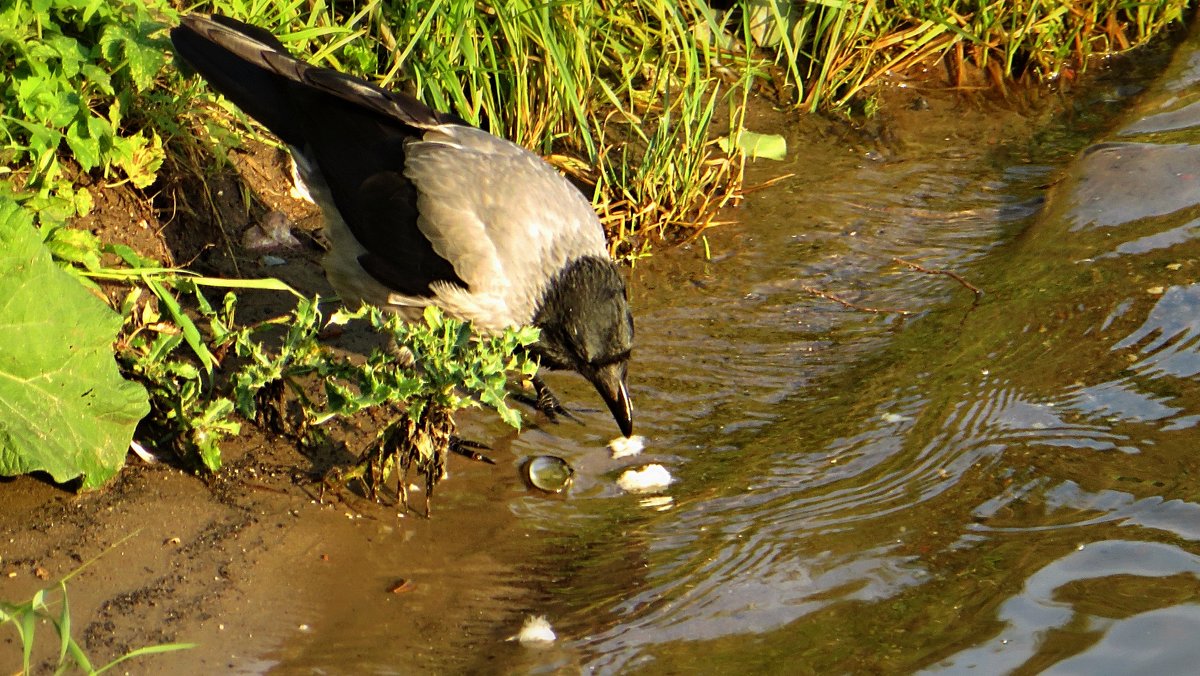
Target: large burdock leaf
64 407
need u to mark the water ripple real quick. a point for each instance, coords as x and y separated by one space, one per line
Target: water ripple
1171 333
838 468
1036 611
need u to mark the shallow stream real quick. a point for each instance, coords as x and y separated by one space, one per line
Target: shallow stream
1003 484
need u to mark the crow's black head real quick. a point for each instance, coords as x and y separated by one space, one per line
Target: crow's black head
587 327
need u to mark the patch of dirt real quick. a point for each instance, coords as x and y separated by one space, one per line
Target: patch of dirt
253 566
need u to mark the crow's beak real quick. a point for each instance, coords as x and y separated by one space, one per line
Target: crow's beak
610 383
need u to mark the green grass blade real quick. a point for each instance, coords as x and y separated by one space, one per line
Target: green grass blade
191 334
64 624
28 624
147 650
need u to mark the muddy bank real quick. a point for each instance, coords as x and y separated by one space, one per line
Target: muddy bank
245 564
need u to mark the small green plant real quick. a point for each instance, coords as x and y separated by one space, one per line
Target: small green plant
186 413
435 368
40 609
447 368
25 617
442 367
78 71
459 369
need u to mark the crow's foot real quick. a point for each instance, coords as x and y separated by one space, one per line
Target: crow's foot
468 449
545 402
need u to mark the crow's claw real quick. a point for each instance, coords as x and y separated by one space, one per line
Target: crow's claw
545 402
468 448
548 404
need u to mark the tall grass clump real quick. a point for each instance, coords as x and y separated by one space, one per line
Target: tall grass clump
831 51
624 96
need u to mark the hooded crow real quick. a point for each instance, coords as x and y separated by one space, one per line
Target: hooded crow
422 208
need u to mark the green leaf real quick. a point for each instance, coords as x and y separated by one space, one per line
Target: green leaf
27 627
64 408
70 54
64 624
211 427
147 650
132 45
83 201
139 157
85 147
74 246
52 102
755 145
98 77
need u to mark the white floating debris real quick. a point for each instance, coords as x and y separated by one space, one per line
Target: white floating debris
645 480
893 418
659 503
535 631
626 446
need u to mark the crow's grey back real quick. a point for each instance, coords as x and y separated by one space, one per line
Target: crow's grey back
504 219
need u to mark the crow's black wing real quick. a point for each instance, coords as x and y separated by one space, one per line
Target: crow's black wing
353 133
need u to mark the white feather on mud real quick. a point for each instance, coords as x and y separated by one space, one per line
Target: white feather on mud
273 233
535 631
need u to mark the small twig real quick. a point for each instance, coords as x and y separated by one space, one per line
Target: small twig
952 275
263 487
765 184
845 303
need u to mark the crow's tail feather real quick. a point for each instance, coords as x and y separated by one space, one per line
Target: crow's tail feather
249 66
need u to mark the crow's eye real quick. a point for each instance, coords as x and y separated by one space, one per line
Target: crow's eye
607 361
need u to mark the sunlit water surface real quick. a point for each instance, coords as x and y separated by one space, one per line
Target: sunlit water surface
1002 485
